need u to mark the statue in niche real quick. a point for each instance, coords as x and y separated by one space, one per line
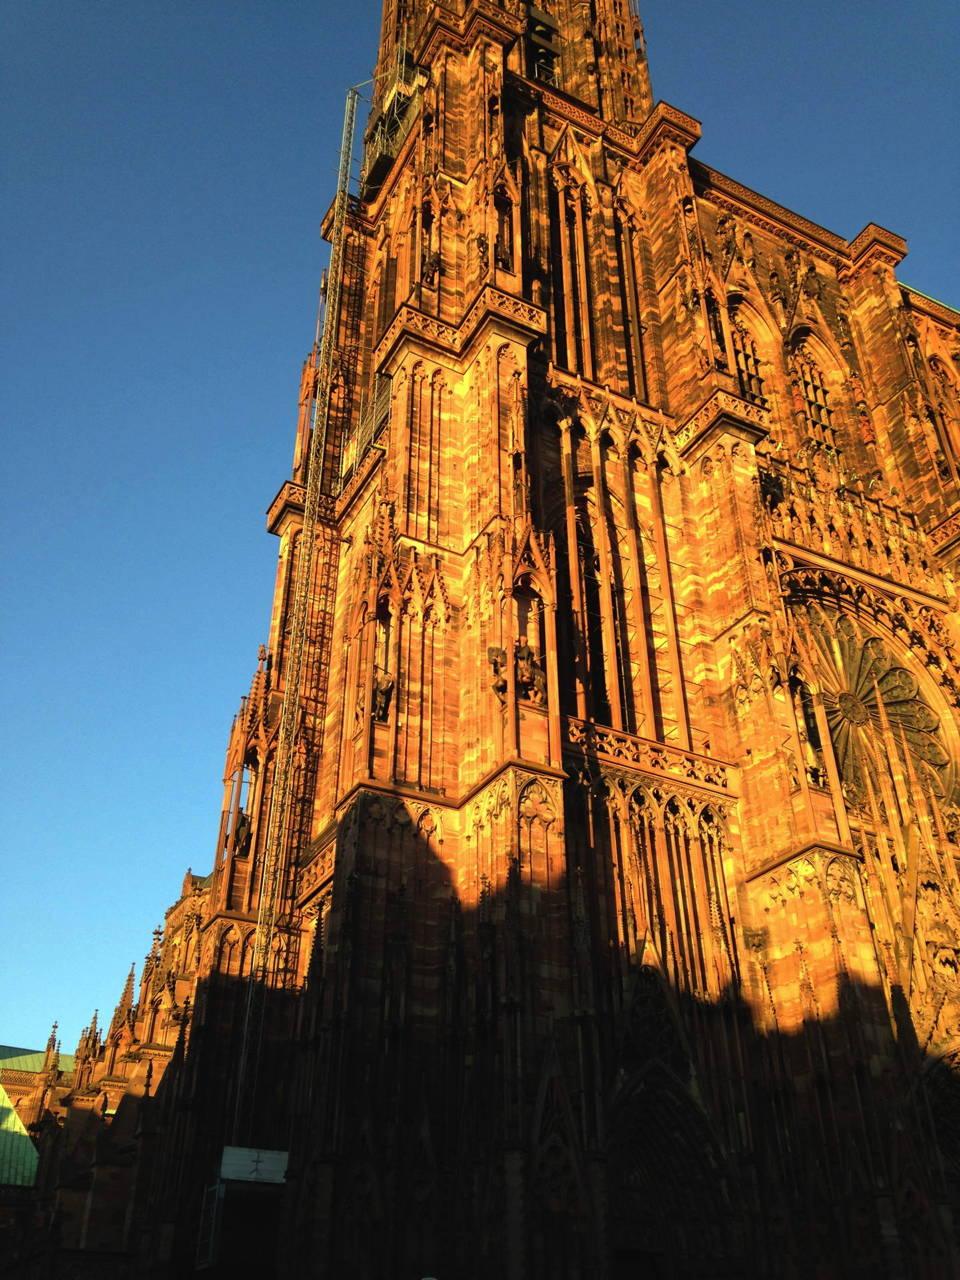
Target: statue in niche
431 267
716 330
531 682
241 839
538 275
382 693
498 660
727 238
812 286
907 329
772 490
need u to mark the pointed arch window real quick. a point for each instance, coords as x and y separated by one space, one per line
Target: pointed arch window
591 577
630 302
746 359
816 398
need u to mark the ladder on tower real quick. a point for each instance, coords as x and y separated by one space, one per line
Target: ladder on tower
274 864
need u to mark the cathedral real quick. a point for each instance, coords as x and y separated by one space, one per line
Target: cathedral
586 904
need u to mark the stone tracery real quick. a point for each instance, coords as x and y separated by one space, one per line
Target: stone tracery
870 697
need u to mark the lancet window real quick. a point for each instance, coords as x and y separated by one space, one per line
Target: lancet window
746 360
386 290
630 303
576 335
813 391
573 336
591 576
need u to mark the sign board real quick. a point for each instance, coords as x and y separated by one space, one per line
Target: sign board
250 1164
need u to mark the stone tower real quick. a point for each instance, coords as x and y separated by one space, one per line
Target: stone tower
617 926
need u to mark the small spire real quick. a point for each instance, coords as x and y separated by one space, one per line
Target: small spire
125 1003
52 1041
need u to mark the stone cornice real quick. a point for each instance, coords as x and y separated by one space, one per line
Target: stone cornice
875 244
575 384
721 412
557 102
650 757
483 18
769 215
290 500
529 320
665 124
931 307
823 847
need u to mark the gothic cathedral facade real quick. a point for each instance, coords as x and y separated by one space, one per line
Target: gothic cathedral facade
616 920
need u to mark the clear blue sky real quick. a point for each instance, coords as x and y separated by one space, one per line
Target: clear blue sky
165 168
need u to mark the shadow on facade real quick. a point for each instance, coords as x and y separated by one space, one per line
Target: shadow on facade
502 1091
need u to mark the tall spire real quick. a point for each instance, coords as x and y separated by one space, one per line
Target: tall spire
594 51
602 58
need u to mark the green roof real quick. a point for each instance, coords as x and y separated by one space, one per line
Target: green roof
18 1155
29 1059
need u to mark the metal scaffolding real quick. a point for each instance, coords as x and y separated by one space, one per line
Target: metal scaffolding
274 864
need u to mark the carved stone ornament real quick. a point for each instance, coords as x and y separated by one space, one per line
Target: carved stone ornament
868 697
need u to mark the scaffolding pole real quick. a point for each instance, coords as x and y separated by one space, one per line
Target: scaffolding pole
274 864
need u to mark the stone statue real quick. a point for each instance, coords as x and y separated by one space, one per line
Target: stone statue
498 660
812 288
531 682
431 267
382 692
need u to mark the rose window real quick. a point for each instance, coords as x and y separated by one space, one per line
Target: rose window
866 694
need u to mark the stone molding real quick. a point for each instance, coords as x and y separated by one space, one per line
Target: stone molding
454 340
722 411
649 757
